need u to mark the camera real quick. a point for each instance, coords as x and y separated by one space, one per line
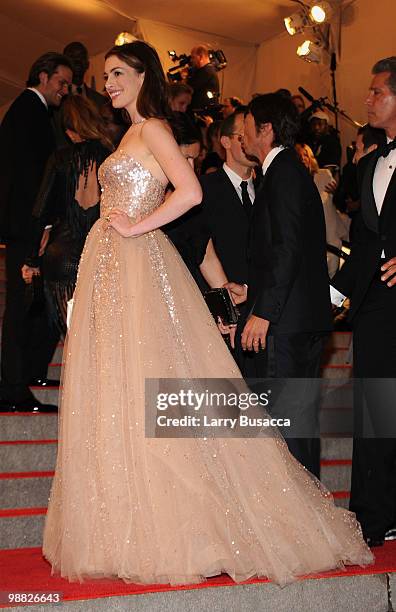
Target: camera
174 74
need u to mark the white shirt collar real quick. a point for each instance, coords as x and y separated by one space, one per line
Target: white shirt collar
40 95
270 157
234 177
236 181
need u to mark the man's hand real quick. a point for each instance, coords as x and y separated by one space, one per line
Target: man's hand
238 292
254 335
390 272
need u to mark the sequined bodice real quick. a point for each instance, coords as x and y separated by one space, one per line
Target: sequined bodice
129 186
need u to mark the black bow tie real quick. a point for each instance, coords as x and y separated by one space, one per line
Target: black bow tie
385 149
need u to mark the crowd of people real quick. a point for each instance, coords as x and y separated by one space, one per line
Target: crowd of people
253 201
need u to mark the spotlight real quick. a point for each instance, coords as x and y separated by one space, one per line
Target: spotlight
296 23
210 95
320 12
123 38
310 51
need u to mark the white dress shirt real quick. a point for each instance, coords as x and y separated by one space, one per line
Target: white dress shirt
382 176
381 179
236 180
39 94
270 158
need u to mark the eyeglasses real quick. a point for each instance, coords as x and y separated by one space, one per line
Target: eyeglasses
240 136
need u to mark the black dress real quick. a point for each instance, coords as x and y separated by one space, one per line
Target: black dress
70 172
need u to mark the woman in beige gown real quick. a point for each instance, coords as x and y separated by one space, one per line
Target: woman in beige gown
155 510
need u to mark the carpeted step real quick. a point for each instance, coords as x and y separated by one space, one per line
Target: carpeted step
336 477
356 590
336 448
54 370
21 531
21 456
46 395
25 492
27 426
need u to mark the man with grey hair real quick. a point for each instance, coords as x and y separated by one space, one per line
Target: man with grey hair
368 278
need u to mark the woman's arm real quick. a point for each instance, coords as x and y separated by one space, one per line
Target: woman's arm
212 269
159 140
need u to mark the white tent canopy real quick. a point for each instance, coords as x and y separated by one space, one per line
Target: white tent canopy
261 55
32 27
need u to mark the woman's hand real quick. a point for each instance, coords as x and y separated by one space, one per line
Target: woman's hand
28 273
238 292
227 330
119 220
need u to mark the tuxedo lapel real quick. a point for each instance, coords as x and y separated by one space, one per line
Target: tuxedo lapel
229 193
369 208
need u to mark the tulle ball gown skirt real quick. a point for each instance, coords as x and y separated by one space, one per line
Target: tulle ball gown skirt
169 510
162 510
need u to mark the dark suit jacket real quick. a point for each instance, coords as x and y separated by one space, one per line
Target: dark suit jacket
97 98
373 233
288 279
26 141
227 223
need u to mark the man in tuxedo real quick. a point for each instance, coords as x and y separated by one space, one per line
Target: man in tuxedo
27 140
288 304
227 206
368 278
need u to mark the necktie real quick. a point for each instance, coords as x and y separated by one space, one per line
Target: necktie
247 204
385 149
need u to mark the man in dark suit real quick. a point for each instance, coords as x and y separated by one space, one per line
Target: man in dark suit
203 78
77 54
288 303
27 140
227 206
368 278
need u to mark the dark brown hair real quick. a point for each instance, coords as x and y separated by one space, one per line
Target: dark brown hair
152 99
281 113
228 124
48 63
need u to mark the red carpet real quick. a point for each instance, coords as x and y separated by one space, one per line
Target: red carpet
24 570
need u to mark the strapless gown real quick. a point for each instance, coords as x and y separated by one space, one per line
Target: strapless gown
152 510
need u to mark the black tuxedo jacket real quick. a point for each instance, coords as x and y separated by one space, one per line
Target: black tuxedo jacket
26 141
225 220
96 97
288 279
373 234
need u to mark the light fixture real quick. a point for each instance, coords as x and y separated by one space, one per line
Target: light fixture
296 23
123 38
210 95
310 51
320 12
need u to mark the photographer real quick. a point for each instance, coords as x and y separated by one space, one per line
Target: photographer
203 78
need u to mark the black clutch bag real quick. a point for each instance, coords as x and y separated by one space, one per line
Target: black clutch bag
220 305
